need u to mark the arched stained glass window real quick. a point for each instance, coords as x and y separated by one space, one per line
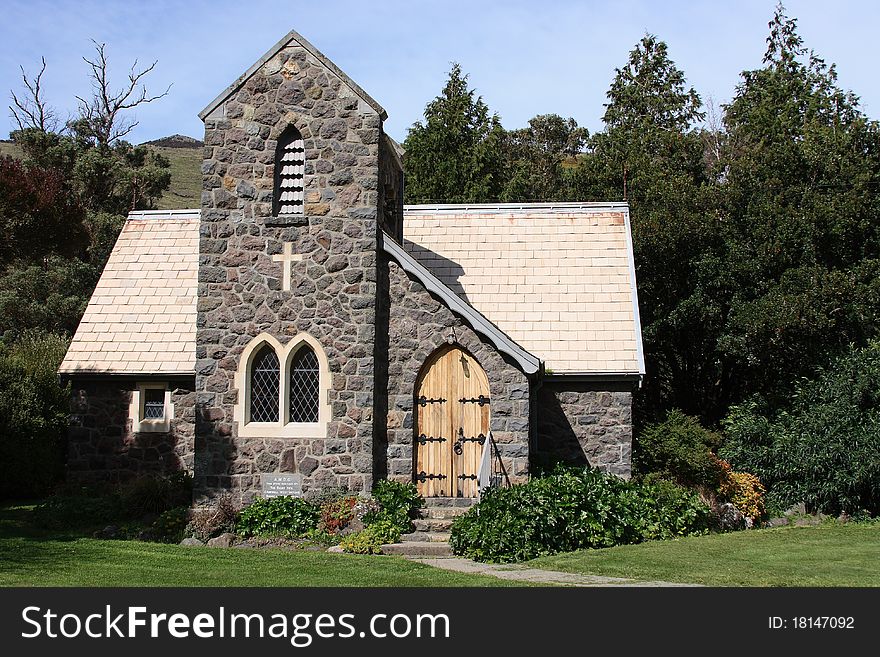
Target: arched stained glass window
304 386
265 385
290 165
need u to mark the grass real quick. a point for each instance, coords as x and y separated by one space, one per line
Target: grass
831 554
30 556
8 148
186 179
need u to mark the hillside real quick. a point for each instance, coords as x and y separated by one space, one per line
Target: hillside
185 156
186 178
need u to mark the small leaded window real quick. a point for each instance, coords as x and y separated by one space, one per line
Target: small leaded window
154 404
265 379
304 386
290 166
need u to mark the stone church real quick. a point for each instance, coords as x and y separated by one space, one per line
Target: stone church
304 321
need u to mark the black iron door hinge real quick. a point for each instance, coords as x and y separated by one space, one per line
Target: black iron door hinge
482 400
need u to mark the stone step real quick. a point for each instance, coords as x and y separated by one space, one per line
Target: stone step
442 512
432 524
428 537
418 549
466 502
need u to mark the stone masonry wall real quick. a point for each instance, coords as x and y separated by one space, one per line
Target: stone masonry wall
102 446
333 289
583 423
418 324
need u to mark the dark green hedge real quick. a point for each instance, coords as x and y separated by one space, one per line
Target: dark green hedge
34 415
824 449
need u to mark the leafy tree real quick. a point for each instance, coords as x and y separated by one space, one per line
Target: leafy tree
455 156
34 414
824 448
61 209
801 221
650 154
538 158
38 217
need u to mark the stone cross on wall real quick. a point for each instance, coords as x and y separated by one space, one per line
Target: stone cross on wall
287 258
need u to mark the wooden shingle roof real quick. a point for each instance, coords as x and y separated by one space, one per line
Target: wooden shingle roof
141 318
557 278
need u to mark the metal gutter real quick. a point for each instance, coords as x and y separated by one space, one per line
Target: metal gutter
557 377
500 208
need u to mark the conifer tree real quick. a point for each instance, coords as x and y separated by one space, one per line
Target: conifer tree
455 155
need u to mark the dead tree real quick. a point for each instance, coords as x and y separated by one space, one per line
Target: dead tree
102 112
31 110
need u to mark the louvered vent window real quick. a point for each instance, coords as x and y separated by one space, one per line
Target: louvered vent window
265 381
290 169
304 386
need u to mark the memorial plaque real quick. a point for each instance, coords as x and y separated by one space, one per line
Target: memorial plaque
276 485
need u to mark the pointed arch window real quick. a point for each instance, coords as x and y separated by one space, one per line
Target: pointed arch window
290 166
305 385
265 383
283 390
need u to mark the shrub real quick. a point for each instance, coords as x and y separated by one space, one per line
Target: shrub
336 514
77 511
398 503
573 509
155 494
291 517
673 510
219 517
362 542
824 448
34 415
331 494
679 449
169 526
745 492
371 539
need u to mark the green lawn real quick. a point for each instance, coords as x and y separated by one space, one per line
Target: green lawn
826 555
31 557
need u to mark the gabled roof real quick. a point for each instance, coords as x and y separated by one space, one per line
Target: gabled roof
293 35
557 278
141 318
528 362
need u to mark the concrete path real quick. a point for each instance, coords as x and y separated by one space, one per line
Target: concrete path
532 575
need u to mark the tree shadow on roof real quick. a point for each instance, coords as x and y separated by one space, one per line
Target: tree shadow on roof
447 271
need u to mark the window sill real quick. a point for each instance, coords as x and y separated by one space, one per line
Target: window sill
152 426
286 220
274 430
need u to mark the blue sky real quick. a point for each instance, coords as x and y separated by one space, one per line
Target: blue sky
524 58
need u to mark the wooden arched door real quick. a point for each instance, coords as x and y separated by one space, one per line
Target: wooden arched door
452 408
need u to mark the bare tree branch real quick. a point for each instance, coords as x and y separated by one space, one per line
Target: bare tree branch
32 111
103 110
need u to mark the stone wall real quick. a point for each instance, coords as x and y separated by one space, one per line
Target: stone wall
102 446
333 289
583 423
418 324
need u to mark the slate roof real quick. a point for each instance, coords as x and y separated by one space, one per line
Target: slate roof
557 278
141 318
